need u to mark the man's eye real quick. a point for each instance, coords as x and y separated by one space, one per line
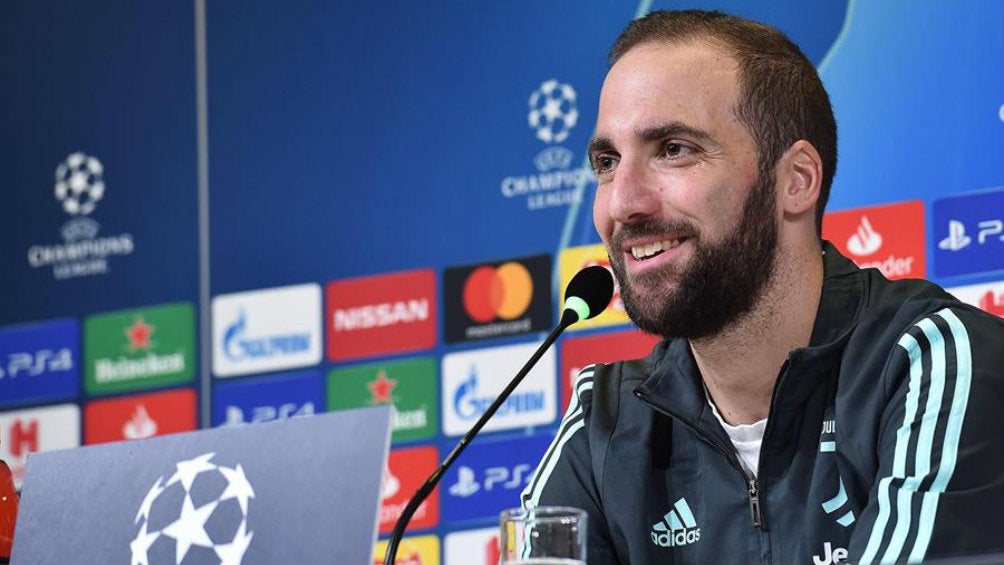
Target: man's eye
603 164
676 150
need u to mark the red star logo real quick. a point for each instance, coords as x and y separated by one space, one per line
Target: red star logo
382 388
139 334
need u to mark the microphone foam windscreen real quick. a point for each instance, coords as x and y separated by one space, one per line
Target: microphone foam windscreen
594 285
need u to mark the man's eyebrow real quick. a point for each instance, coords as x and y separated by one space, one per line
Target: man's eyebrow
598 144
657 133
672 129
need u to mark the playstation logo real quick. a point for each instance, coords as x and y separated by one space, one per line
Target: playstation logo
957 238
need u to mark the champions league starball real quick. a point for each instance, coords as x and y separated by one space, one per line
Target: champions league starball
552 111
79 184
197 515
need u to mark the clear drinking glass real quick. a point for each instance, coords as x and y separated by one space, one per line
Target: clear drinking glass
546 535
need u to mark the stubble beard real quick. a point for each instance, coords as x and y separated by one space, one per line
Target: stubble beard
721 283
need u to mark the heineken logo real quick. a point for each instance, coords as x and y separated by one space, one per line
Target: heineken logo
409 386
108 370
381 388
138 349
139 334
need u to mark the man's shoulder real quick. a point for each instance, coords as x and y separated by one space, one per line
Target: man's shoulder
901 304
617 376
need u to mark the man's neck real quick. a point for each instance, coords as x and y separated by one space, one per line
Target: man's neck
740 365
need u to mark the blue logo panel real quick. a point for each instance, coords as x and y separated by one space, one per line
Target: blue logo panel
264 399
969 234
489 477
39 362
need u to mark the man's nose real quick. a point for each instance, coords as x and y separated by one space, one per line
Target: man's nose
634 192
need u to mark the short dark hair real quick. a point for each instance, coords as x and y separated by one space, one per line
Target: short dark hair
781 98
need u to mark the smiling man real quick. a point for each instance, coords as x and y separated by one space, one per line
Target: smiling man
799 409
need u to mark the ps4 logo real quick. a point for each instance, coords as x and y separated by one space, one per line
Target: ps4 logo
469 484
33 364
958 239
235 415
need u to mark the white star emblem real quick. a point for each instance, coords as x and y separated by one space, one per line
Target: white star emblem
190 528
232 553
237 487
188 469
141 545
144 509
552 109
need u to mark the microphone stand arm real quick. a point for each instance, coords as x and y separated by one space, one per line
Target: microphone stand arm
568 317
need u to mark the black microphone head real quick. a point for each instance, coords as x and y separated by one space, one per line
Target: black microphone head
589 292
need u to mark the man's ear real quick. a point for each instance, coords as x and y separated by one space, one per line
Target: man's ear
799 179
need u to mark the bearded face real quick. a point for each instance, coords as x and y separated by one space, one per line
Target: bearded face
722 281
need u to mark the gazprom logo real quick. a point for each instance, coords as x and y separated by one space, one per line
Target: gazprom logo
677 527
266 330
471 380
468 404
238 346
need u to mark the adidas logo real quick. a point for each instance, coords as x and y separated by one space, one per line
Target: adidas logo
677 527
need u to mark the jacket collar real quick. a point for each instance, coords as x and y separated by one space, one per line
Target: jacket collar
675 384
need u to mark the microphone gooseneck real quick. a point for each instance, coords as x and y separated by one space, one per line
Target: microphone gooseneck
588 293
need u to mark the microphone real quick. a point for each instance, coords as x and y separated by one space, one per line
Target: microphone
588 293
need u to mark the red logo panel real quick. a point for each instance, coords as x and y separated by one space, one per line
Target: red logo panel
381 314
993 302
406 470
139 416
889 238
579 352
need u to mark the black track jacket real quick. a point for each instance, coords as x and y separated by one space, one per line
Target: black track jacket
884 442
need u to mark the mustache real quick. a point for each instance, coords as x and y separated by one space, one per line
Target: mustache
647 228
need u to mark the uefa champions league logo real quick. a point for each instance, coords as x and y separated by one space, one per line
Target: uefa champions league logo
79 185
201 505
557 181
552 111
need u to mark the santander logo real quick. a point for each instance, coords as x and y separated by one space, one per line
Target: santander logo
865 240
889 237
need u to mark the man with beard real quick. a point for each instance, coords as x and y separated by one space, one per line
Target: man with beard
799 409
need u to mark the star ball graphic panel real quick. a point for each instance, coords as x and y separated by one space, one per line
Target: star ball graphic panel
410 385
140 416
382 314
281 396
139 348
249 494
574 259
406 470
969 233
39 362
488 477
890 238
497 299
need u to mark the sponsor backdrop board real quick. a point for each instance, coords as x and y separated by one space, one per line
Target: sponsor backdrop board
391 202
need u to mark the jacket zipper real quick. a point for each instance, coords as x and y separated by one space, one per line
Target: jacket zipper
753 490
755 503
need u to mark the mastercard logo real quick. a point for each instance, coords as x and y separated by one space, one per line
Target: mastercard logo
502 292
